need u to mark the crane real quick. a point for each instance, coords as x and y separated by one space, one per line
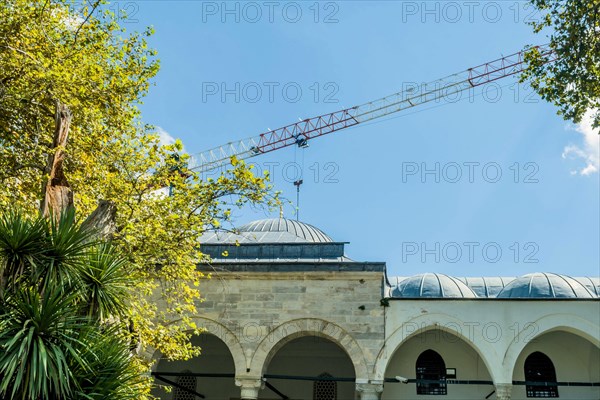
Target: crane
299 133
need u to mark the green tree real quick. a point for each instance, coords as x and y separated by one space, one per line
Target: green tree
572 82
61 332
71 81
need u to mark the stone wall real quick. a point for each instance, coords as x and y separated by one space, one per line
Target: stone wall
264 310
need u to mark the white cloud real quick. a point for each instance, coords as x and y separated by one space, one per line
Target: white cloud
164 136
70 20
589 150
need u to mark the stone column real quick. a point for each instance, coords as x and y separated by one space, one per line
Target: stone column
503 391
369 391
249 387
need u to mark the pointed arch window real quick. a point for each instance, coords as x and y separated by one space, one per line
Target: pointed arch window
539 368
188 382
431 374
325 390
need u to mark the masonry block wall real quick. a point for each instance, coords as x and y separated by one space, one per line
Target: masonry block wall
263 310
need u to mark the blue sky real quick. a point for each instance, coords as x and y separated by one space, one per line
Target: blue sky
364 185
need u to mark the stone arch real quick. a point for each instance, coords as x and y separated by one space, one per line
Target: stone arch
550 323
429 322
224 334
297 328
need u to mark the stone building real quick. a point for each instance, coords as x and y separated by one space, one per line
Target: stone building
289 316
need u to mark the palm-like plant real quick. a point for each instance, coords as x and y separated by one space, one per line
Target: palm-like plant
39 339
104 282
107 371
62 297
21 247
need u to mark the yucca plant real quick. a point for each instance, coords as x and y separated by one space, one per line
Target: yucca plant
105 279
22 247
39 339
107 371
63 303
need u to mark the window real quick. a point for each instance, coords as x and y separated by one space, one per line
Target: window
539 368
431 374
188 382
325 390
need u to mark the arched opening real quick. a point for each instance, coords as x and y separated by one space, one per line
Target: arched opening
562 357
431 374
435 355
539 368
211 374
310 368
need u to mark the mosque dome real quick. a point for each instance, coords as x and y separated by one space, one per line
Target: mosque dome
545 285
271 231
281 230
432 285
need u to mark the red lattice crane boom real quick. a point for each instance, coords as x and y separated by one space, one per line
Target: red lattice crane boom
299 133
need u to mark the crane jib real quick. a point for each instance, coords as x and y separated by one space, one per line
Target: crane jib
300 132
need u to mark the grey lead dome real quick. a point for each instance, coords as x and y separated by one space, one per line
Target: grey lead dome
545 285
432 285
280 230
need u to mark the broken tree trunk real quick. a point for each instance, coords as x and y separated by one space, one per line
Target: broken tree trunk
103 220
57 196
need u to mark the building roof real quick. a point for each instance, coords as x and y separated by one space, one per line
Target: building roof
545 285
279 241
432 285
272 230
592 284
539 285
487 286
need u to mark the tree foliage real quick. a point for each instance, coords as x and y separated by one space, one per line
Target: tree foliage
53 53
572 82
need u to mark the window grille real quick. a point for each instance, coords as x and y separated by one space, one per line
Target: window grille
431 367
188 382
539 368
325 390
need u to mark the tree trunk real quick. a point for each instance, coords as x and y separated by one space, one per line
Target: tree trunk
103 219
57 196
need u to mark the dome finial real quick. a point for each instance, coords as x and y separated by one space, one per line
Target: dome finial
280 211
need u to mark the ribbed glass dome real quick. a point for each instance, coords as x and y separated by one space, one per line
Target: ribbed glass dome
281 230
545 285
432 285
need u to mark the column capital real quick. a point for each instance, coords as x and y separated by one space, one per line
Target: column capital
249 386
503 391
369 391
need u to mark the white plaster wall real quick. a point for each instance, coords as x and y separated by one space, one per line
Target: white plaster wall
574 359
456 354
497 330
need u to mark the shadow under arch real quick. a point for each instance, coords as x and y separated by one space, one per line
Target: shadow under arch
302 327
430 322
221 332
551 323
